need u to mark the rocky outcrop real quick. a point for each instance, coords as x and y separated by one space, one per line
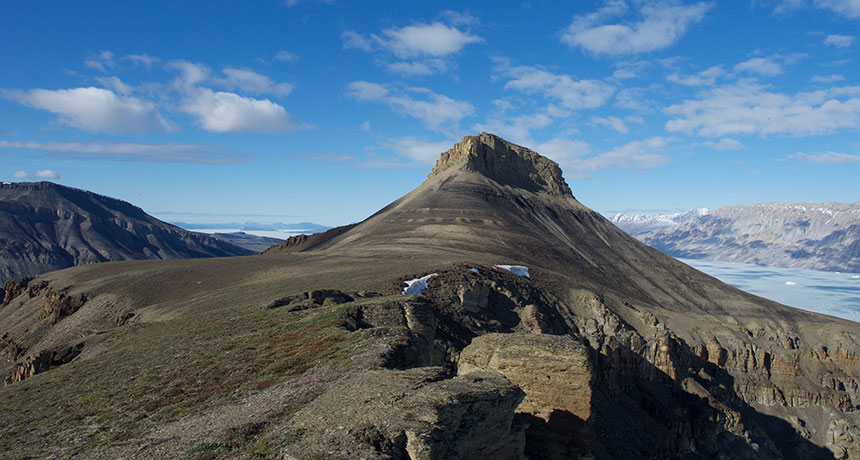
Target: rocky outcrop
299 243
505 163
13 287
43 361
555 373
316 298
416 414
60 304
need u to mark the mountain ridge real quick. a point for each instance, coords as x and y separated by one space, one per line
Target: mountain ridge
47 226
820 236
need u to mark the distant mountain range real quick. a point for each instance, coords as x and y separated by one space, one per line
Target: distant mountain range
820 236
306 227
46 226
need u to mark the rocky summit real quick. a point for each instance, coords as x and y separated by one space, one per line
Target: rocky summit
607 349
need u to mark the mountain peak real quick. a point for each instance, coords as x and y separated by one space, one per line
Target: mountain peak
503 162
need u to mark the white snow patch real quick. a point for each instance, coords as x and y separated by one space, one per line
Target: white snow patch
855 277
516 269
417 285
790 283
475 270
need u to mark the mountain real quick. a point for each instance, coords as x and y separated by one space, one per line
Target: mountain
820 236
45 227
606 349
635 224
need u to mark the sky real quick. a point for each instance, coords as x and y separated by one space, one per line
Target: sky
326 111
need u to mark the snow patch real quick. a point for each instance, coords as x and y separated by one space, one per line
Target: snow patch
855 277
418 285
790 283
516 269
475 270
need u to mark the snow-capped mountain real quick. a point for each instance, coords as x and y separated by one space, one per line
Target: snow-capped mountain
822 236
635 224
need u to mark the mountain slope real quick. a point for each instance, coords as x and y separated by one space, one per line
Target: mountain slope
820 236
45 226
611 349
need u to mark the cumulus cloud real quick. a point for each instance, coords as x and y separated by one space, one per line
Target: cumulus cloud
223 112
749 108
132 151
434 39
611 122
707 77
95 109
661 24
725 143
421 49
763 66
827 157
839 41
19 175
437 111
47 174
578 162
569 92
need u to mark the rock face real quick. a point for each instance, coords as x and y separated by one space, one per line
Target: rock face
555 373
45 227
42 362
503 162
820 236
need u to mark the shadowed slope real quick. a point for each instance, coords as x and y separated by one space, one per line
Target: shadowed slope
45 226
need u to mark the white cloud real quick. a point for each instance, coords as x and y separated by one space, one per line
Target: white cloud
421 49
365 126
571 93
95 109
132 151
437 111
661 25
190 73
827 157
19 175
251 82
706 77
420 151
577 161
223 112
434 39
827 78
285 56
725 143
763 66
839 41
848 8
418 68
611 122
101 62
142 59
518 128
115 84
458 18
749 108
47 174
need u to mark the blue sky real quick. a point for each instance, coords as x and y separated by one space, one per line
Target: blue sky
325 111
